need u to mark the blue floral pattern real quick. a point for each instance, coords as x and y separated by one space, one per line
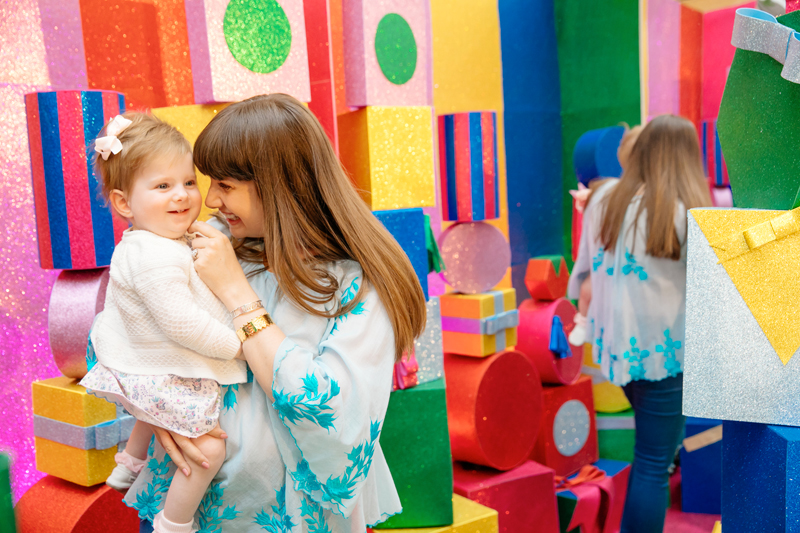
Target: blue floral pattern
635 357
313 516
229 400
209 516
347 297
279 521
631 267
91 357
149 500
669 349
310 404
599 342
598 259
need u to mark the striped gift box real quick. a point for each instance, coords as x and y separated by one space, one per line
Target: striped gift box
713 161
479 324
468 166
76 228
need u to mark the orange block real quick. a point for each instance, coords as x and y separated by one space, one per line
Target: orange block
140 49
56 506
337 44
476 305
547 277
476 345
83 467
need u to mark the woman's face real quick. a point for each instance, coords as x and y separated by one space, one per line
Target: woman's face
238 202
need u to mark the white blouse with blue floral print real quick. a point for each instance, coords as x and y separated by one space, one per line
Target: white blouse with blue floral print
310 461
636 319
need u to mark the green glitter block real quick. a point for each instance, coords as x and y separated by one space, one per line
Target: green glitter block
6 502
416 444
616 434
758 130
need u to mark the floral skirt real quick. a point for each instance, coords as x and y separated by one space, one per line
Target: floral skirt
187 406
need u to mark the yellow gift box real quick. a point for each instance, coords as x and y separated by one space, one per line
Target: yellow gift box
64 400
608 398
83 467
717 527
191 120
388 152
465 317
468 517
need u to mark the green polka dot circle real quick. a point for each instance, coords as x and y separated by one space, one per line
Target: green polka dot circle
258 34
396 49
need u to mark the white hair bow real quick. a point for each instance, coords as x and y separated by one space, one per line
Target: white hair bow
110 144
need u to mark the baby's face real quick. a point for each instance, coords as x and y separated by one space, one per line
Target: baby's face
164 198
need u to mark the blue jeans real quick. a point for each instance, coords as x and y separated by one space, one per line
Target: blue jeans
657 407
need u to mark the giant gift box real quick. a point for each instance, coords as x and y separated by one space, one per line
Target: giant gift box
742 328
479 324
468 517
592 500
701 467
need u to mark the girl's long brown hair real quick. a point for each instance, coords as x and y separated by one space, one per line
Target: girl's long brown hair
312 212
665 160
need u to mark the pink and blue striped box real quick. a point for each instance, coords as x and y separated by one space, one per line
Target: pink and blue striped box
468 166
713 161
76 229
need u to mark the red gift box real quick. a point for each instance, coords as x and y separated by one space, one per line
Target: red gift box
533 339
522 497
547 277
592 500
568 435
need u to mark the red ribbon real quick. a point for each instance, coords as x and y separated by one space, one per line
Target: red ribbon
595 492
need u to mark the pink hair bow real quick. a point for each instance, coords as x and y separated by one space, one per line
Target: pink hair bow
110 144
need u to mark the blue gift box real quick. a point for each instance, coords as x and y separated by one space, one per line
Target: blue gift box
407 226
701 471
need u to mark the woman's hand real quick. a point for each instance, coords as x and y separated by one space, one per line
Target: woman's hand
177 445
217 266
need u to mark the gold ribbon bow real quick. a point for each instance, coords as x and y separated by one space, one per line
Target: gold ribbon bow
756 236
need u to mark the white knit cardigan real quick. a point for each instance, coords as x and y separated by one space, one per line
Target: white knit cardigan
160 318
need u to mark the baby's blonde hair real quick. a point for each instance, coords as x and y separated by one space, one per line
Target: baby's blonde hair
145 139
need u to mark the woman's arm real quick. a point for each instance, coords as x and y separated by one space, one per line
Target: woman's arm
218 267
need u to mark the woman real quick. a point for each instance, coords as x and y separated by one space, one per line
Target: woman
302 439
634 250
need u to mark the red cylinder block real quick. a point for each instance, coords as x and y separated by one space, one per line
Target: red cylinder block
494 408
533 339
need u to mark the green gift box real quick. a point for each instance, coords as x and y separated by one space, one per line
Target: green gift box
616 433
416 444
6 503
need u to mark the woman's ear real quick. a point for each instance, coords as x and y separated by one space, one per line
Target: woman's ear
119 202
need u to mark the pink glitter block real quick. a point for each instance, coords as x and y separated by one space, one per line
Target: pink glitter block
387 52
476 255
63 39
663 50
77 229
232 60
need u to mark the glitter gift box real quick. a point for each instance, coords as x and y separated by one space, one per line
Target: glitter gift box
416 444
388 152
320 19
57 506
479 324
546 277
742 328
494 408
594 505
77 297
428 346
407 226
760 477
468 166
387 52
140 49
64 400
241 49
524 497
468 517
701 470
476 256
99 437
616 435
568 436
538 321
83 467
6 500
76 229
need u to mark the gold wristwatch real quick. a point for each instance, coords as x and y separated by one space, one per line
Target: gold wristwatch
254 326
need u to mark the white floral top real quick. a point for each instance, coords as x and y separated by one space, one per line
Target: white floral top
310 461
636 320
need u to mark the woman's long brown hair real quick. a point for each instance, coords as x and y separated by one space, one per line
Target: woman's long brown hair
665 160
313 215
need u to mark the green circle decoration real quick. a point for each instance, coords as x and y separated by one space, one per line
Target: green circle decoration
258 34
396 49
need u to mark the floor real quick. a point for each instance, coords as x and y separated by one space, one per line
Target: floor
678 522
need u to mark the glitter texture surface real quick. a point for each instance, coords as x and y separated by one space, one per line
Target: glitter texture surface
731 372
367 84
388 152
477 256
63 39
396 49
429 353
78 295
24 346
22 45
190 120
258 34
219 77
571 427
140 49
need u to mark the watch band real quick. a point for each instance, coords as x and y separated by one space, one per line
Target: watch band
254 326
252 306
